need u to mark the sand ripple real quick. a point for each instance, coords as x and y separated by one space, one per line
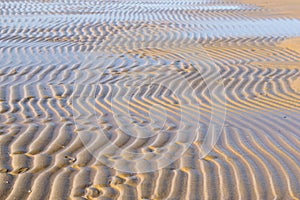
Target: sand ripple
63 62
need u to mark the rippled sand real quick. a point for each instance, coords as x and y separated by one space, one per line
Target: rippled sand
149 99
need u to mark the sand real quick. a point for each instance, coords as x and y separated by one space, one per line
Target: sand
288 8
149 99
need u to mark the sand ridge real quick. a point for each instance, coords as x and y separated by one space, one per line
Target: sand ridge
62 62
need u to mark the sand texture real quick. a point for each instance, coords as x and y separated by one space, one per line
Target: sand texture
113 99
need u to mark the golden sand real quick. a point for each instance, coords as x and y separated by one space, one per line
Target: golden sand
288 8
143 99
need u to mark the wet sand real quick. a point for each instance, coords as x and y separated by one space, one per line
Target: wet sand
149 100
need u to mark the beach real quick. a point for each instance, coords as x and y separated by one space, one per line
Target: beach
188 99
